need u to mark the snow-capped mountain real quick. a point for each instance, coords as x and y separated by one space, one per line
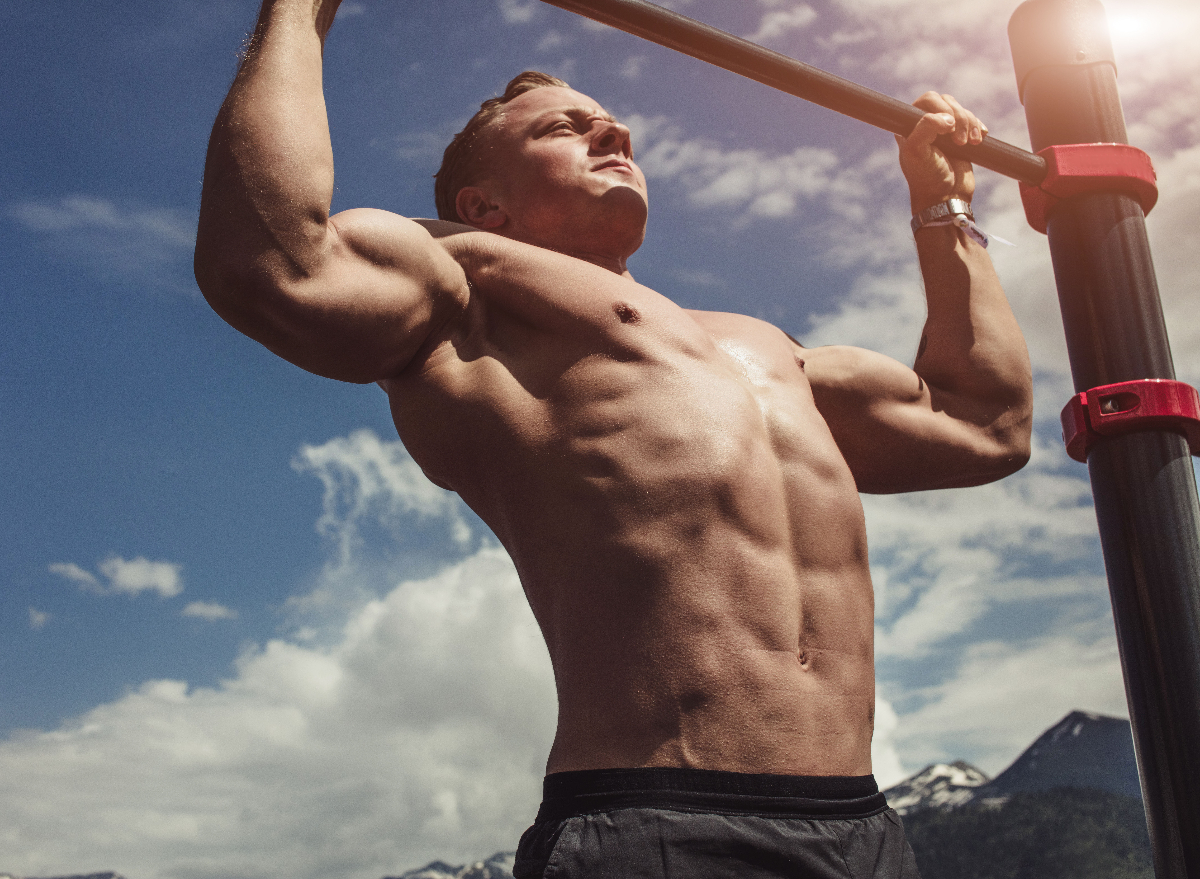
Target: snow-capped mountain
1082 750
940 785
498 866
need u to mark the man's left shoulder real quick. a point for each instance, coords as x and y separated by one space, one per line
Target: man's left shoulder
765 353
752 330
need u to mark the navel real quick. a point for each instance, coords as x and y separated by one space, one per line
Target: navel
626 313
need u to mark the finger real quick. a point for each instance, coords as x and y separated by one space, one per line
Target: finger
962 121
967 128
928 128
932 102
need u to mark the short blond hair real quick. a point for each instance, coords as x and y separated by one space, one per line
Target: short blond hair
464 161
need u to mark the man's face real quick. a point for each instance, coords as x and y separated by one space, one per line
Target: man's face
564 174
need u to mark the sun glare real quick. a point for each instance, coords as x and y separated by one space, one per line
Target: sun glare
1138 30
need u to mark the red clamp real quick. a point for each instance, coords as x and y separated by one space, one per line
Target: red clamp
1075 169
1126 407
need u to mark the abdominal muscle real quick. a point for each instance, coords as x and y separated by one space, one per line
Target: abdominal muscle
694 643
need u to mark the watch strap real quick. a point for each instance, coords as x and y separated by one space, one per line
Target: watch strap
951 207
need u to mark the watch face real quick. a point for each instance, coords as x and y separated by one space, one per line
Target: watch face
951 207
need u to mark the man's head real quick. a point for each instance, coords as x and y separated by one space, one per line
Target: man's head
465 160
545 164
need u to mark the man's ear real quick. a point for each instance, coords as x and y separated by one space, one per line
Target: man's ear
476 209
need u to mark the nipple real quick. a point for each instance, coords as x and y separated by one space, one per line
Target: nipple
626 313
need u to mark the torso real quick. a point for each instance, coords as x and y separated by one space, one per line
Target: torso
687 532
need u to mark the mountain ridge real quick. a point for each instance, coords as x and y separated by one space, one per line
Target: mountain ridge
1084 750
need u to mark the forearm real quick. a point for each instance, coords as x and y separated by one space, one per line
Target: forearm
972 351
268 178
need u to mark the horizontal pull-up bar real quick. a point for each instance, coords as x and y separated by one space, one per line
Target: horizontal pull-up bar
741 56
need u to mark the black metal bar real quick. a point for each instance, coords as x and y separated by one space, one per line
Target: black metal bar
1143 484
794 77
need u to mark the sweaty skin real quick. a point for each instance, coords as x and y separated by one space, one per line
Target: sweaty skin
678 489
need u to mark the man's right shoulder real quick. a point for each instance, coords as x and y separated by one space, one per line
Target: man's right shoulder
462 242
474 250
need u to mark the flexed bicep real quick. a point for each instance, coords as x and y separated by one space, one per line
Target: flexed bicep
899 433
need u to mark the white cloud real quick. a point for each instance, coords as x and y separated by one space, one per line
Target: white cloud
632 67
421 733
700 278
38 619
885 760
369 480
209 610
517 11
550 41
982 536
778 22
125 242
133 576
749 182
1004 695
883 312
75 574
1172 226
378 512
83 212
128 576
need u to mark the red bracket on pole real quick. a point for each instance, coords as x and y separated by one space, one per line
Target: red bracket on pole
1075 169
1126 407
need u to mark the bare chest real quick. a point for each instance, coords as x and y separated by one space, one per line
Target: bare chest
609 386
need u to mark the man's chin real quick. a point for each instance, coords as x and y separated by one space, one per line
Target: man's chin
626 208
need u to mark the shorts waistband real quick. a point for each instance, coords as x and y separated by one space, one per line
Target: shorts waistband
567 794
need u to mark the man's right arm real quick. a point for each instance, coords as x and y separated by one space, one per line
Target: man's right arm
351 297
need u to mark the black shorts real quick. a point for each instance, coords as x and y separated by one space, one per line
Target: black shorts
703 824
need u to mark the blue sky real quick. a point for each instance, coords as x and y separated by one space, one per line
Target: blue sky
241 636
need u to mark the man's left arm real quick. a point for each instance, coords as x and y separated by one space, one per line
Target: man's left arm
962 414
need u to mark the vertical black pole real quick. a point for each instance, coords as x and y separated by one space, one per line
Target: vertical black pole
1143 483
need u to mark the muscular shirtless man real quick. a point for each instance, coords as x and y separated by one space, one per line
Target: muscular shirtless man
677 489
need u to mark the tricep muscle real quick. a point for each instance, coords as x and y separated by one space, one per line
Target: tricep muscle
374 289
